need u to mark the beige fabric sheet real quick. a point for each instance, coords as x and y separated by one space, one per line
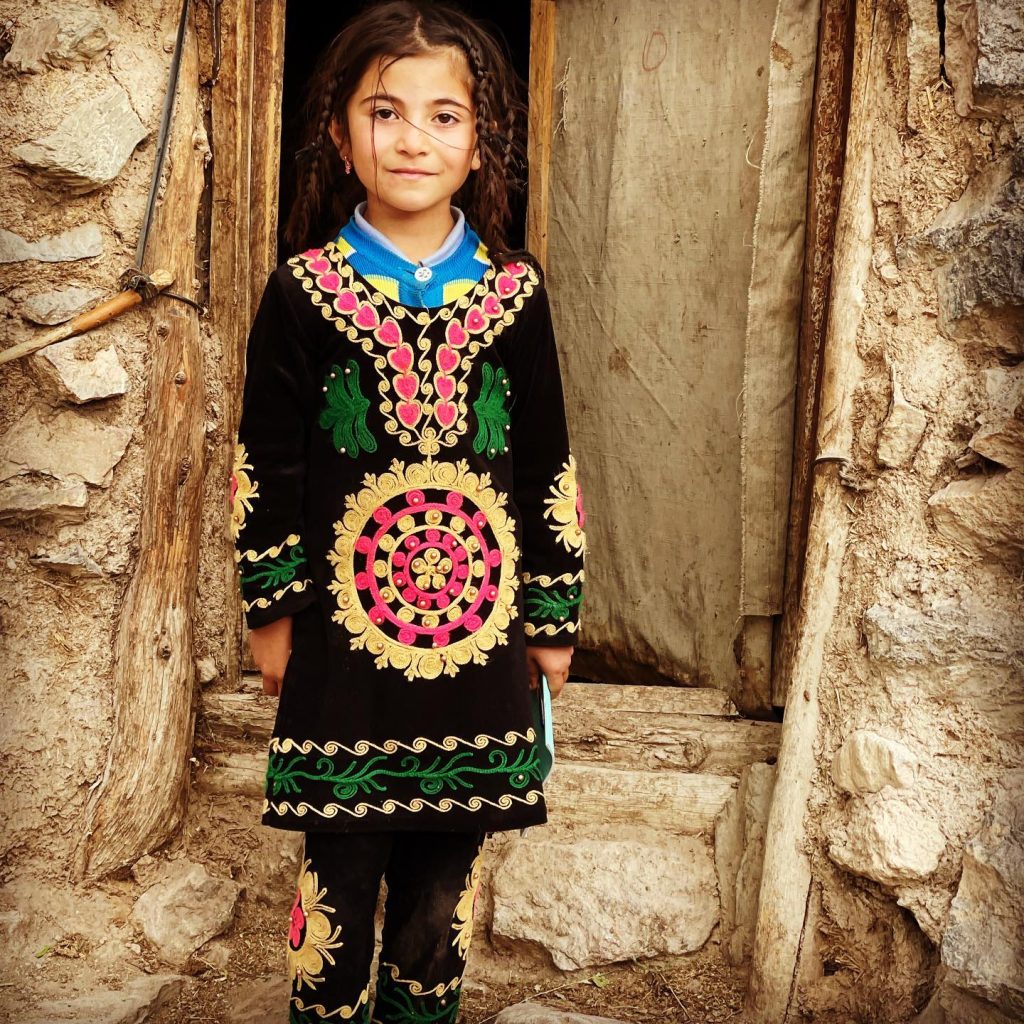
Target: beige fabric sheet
654 186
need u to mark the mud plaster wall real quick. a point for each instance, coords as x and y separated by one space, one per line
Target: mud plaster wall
922 725
66 565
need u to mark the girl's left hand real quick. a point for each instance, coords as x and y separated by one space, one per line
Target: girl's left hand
552 662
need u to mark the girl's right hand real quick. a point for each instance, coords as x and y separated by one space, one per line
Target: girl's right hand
271 647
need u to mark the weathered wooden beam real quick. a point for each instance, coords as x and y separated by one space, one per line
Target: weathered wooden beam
233 774
678 803
785 911
828 156
662 742
140 799
643 727
538 147
231 283
265 135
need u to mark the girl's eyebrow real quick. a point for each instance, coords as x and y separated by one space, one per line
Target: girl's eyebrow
444 101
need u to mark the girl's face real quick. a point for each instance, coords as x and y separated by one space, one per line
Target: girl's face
411 132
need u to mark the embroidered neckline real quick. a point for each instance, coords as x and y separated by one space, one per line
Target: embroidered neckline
422 380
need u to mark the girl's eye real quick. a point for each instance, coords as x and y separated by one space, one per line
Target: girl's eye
383 110
451 118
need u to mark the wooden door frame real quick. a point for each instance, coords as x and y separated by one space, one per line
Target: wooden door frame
246 115
246 122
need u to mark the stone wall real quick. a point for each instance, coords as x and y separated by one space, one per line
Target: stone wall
81 87
917 849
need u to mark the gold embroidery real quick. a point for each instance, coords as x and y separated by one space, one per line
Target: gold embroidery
341 1012
564 508
417 746
549 630
424 565
263 602
463 923
272 552
243 491
415 987
444 806
311 937
422 382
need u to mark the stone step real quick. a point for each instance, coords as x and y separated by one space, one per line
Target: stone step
654 728
589 796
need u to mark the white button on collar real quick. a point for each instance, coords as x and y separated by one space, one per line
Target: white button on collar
423 274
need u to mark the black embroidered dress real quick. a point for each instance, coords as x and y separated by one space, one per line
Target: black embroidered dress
404 489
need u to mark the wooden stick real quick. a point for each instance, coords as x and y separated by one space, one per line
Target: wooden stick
101 314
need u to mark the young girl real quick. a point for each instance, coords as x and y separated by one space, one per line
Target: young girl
406 510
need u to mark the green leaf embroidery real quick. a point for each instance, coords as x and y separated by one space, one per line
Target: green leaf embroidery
275 572
550 604
372 776
401 1005
345 412
492 417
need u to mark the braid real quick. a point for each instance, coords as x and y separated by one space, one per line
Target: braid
325 196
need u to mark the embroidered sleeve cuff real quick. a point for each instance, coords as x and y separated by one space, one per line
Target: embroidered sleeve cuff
274 582
553 608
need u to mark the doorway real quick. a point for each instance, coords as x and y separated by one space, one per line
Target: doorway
309 30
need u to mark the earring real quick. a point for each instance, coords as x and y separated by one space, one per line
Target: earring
348 165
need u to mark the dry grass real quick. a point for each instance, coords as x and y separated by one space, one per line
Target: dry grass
695 989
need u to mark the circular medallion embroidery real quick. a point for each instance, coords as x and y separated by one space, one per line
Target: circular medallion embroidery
424 567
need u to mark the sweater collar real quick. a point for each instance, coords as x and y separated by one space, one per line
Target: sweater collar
447 247
452 270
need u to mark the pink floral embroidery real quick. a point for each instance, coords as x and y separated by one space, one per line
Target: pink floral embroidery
413 409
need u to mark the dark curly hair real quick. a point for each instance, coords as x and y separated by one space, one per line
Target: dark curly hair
386 32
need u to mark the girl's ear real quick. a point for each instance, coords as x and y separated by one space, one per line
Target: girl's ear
337 136
474 164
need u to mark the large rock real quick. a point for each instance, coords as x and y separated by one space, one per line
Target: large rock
186 908
983 947
982 515
889 841
78 243
80 379
58 305
739 856
61 500
532 1013
901 432
78 37
628 898
1000 433
71 561
91 145
133 1004
867 762
67 446
978 242
946 633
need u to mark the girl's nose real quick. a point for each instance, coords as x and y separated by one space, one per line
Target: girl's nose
412 138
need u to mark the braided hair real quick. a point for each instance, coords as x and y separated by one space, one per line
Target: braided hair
326 196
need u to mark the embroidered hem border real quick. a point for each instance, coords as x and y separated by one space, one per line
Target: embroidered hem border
378 766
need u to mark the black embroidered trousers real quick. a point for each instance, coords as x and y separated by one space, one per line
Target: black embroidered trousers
432 879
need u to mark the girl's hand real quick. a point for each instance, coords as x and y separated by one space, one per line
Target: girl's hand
271 647
552 662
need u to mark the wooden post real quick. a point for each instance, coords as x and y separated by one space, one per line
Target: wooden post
785 924
828 154
538 149
231 284
265 136
140 799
